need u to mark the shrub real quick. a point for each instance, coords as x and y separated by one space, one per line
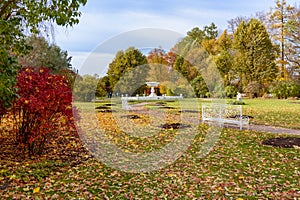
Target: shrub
285 89
253 89
230 91
235 102
44 105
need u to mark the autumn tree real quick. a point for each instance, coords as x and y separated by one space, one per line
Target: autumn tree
224 57
185 68
196 34
128 70
158 64
194 59
85 87
103 87
279 16
18 17
158 56
206 36
254 53
292 28
234 23
44 54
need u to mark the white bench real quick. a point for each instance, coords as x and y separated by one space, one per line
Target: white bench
224 115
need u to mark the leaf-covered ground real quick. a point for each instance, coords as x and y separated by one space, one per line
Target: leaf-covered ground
238 167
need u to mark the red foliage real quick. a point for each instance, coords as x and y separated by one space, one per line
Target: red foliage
44 105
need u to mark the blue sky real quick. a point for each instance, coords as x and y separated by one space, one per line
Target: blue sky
104 20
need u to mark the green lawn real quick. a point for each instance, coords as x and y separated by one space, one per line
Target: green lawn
274 112
271 112
238 167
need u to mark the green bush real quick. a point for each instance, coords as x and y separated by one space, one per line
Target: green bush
230 91
285 89
235 102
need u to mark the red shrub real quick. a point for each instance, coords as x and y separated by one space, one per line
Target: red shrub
44 105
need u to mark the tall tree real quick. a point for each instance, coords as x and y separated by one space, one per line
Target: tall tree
158 56
45 55
127 70
224 57
234 23
278 18
211 31
185 68
30 16
196 34
193 63
255 53
293 41
158 64
86 87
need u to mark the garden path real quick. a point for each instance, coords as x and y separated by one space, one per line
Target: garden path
253 127
272 129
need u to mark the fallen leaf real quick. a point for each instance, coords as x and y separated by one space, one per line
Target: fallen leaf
36 190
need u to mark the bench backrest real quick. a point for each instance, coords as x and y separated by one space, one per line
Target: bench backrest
218 110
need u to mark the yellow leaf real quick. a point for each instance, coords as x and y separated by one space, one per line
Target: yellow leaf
12 177
36 190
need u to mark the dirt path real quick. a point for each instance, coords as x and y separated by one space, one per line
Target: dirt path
272 129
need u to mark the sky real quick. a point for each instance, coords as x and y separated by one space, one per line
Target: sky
107 26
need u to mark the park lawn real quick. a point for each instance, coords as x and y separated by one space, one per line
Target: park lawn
271 112
239 166
274 112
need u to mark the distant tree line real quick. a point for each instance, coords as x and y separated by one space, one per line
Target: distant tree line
256 55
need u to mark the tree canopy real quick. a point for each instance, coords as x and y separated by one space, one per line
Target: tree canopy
127 70
284 27
44 54
18 17
255 53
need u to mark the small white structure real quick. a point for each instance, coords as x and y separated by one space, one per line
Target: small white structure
151 97
239 97
152 85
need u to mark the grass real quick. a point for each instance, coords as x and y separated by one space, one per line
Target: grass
274 112
239 166
270 112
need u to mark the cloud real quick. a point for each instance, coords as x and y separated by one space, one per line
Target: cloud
97 61
91 62
95 28
106 19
